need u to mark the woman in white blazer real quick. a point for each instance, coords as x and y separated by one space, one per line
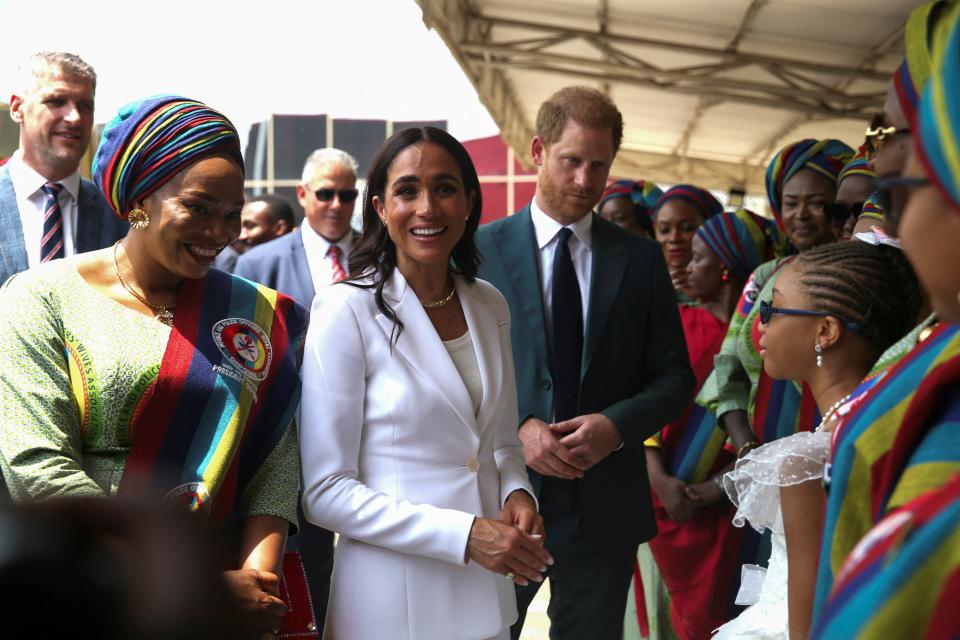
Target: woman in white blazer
409 417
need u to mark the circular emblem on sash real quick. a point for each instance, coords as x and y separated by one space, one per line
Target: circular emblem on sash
193 496
244 345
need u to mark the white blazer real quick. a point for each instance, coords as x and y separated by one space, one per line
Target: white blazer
395 460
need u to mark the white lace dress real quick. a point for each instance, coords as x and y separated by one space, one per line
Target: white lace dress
754 487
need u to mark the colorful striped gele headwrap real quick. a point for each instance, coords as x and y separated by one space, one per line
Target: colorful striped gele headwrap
871 208
858 166
911 76
150 141
702 199
938 117
643 193
742 241
826 157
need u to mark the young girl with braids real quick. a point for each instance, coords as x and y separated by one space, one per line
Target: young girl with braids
834 311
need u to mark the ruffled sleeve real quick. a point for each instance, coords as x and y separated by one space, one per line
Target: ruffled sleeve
754 484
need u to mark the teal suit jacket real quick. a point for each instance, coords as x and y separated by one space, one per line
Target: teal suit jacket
635 368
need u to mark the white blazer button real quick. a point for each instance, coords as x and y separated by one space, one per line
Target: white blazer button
473 465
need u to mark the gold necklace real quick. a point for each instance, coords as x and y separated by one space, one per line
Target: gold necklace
161 313
441 301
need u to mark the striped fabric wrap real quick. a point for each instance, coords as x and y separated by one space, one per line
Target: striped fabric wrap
903 579
226 392
742 241
871 208
938 117
911 76
702 199
150 141
858 166
642 193
899 441
826 157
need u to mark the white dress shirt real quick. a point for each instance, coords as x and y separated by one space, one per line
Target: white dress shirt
316 247
546 229
31 199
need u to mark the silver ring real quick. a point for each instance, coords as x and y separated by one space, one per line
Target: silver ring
508 575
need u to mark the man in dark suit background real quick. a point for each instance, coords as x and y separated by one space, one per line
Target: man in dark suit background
263 218
316 254
601 363
47 210
298 264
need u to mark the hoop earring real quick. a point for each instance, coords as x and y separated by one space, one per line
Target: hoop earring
819 351
138 219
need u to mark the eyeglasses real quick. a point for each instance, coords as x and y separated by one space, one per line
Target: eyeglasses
892 195
767 311
839 212
877 135
346 195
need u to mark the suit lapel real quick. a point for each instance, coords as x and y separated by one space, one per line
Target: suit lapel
301 268
420 345
12 249
609 261
516 241
88 221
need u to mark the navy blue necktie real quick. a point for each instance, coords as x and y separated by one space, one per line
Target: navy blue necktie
567 315
51 245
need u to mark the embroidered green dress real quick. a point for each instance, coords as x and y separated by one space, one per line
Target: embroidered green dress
76 368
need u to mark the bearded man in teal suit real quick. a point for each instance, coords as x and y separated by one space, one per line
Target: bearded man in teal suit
601 363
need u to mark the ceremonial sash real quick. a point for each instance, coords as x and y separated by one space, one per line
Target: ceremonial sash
903 579
226 393
899 440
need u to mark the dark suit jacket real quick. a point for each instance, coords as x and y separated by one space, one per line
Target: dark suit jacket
280 264
635 368
97 225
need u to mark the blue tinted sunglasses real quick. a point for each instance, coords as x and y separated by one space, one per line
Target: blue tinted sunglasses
767 310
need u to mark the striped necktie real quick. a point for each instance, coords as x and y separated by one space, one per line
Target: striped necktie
336 267
51 245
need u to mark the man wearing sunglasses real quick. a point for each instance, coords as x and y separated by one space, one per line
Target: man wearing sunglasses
299 264
315 255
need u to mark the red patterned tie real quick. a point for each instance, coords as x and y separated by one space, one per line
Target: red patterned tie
334 254
51 245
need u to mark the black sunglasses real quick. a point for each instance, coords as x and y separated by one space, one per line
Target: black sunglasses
767 310
839 212
892 195
346 195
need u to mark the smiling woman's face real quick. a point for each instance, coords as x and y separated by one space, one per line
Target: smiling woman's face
194 216
425 205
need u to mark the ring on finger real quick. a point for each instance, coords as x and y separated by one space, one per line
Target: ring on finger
508 575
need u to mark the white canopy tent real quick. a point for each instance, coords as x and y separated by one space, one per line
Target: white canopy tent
709 89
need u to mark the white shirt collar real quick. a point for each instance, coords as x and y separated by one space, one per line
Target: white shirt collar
317 245
546 228
27 181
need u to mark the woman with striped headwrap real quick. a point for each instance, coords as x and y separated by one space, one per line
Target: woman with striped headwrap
138 371
895 455
676 217
854 188
628 203
697 549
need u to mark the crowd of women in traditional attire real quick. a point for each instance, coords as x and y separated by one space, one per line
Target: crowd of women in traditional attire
814 480
815 476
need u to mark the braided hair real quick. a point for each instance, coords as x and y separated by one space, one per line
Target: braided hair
872 285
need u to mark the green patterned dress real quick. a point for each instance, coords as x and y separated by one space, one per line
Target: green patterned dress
76 368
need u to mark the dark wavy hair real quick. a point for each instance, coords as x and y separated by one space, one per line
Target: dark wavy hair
374 256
